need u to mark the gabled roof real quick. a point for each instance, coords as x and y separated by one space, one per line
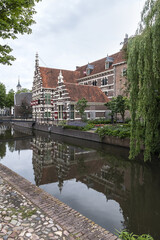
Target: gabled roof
99 65
50 76
90 93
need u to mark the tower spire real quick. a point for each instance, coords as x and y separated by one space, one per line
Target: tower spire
19 87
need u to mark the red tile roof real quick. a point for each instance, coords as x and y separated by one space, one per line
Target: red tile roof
90 93
50 76
99 65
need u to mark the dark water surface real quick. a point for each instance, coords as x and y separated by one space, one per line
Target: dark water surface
95 179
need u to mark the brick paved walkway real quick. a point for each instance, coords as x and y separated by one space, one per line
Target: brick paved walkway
28 212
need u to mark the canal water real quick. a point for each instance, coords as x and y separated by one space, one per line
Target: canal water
95 179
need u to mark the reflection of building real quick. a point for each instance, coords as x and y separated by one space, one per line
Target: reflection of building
54 161
134 186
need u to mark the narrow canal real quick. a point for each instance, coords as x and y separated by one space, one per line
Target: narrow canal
95 179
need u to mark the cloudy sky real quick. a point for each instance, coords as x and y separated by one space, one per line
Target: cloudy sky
70 33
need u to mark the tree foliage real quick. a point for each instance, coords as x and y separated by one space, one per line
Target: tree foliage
23 90
122 105
2 95
144 77
16 17
81 106
112 106
118 104
10 99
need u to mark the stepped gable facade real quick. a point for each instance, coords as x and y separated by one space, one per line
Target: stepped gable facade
56 91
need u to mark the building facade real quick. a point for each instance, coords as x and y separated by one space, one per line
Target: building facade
22 105
55 92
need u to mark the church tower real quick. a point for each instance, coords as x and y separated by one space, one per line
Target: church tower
19 87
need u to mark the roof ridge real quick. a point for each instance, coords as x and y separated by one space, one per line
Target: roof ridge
98 60
57 69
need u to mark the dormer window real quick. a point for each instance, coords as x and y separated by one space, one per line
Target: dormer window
89 69
106 65
108 62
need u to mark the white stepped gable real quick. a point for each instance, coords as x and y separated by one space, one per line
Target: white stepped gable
60 77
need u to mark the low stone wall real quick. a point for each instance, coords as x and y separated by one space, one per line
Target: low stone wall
27 124
75 133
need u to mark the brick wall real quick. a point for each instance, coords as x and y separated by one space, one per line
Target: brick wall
120 80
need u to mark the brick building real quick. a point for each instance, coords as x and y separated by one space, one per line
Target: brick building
56 91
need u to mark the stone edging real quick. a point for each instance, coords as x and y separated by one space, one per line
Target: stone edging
90 136
75 223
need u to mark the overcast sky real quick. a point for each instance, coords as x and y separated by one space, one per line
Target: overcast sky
70 33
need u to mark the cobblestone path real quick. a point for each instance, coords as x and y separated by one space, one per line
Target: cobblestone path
28 212
19 219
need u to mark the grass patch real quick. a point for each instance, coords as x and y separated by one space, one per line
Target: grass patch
26 213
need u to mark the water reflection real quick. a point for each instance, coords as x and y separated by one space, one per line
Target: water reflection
95 179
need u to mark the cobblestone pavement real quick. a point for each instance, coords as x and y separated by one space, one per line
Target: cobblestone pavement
28 212
20 219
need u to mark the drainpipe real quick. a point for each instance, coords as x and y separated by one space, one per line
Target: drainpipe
114 80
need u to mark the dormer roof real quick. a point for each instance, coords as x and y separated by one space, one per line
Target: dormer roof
99 65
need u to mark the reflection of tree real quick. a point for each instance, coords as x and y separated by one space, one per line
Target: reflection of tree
11 146
2 150
113 175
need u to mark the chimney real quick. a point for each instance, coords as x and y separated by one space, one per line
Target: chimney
125 39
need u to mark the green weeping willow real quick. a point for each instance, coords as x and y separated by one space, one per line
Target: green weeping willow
144 78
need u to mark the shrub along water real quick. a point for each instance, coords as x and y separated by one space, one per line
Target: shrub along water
121 131
124 235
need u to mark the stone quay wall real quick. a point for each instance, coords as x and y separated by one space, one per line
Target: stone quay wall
75 133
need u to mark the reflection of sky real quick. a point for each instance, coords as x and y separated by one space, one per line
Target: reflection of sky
89 202
20 162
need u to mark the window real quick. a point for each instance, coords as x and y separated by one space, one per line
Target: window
124 72
105 81
60 111
108 62
106 65
94 83
89 69
47 98
60 94
71 111
106 93
47 115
